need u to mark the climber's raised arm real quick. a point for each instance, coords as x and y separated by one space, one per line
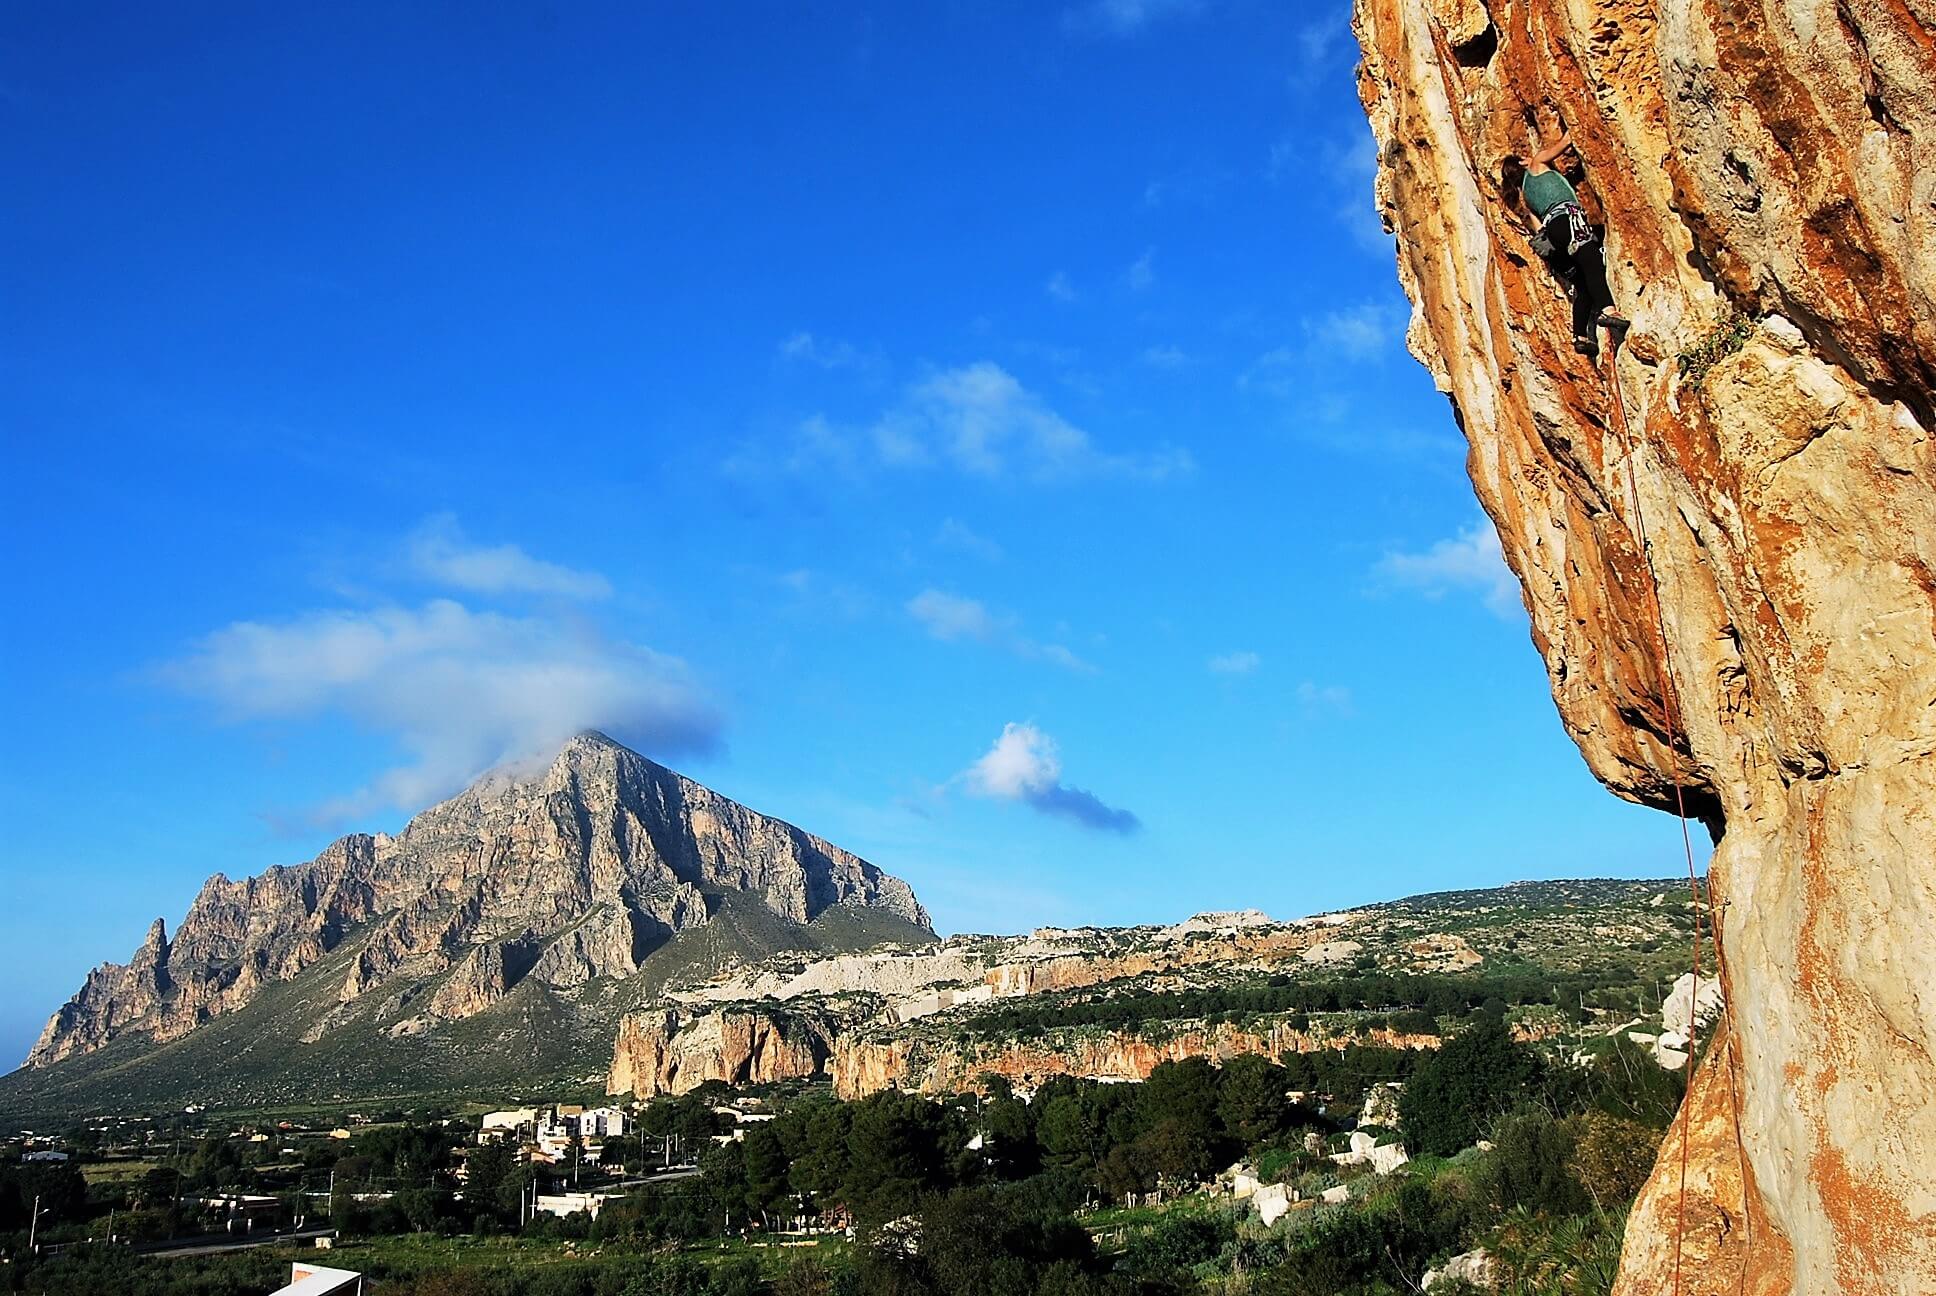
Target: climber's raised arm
1548 153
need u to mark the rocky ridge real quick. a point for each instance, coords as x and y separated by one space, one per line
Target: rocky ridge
1726 540
933 1018
720 1027
566 875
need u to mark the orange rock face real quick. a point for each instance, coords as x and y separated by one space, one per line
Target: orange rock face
860 1066
665 1053
1726 539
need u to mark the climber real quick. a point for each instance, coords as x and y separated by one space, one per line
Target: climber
1565 241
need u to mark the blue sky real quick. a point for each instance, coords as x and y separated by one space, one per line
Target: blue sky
979 433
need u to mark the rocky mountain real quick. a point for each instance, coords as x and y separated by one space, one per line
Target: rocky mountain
1726 539
573 882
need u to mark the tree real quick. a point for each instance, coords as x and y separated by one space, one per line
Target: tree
492 1168
407 1153
423 1209
820 1163
764 1168
215 1163
1177 1107
1613 1158
894 1153
979 1240
1413 1021
1250 1098
1064 1132
1008 1133
620 1150
1182 1153
1458 1090
1530 1165
58 1184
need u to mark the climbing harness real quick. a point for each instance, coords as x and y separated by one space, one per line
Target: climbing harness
1577 234
1702 897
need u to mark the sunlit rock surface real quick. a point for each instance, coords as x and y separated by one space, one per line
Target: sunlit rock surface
1767 176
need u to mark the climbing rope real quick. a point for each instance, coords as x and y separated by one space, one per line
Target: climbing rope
1702 897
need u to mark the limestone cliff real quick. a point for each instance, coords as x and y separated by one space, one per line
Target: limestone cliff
1767 176
569 873
665 1052
861 1066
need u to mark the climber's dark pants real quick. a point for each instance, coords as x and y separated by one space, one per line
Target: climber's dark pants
1585 275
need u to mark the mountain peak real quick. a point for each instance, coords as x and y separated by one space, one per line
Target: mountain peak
594 740
596 857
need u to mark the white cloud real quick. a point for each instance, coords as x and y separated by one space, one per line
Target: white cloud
1353 169
979 419
1141 275
1361 332
1276 371
952 618
822 595
1024 765
1060 656
1324 48
1235 663
439 552
1060 288
974 418
1126 17
1339 172
827 353
949 617
1165 356
460 690
1324 697
1023 760
959 536
1469 561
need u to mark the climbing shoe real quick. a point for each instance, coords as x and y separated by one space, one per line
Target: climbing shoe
1618 323
1586 346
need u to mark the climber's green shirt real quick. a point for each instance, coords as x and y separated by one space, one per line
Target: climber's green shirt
1546 190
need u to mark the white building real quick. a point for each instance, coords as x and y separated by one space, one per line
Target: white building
511 1121
601 1122
570 1203
319 1280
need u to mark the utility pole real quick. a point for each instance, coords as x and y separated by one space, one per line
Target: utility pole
33 1227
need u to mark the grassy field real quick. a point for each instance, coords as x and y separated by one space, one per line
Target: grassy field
116 1171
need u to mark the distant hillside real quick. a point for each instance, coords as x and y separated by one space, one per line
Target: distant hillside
1563 959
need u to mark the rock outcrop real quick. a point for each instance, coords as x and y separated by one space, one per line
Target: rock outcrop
968 969
667 1052
567 873
862 1065
1728 549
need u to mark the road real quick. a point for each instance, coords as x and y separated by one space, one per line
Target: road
212 1243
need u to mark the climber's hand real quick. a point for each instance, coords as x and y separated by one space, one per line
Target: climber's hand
1548 153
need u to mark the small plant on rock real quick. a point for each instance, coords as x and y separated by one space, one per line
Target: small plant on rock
1723 340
